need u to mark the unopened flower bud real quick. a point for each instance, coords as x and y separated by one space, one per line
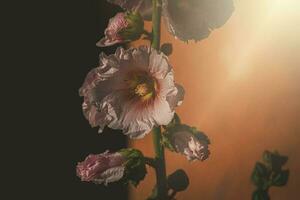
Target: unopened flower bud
102 168
189 142
124 27
127 165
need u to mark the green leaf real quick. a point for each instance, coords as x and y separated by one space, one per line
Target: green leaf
260 175
178 180
275 160
281 178
260 195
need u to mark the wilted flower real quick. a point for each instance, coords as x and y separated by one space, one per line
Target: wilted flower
123 27
188 141
102 168
187 19
127 164
132 90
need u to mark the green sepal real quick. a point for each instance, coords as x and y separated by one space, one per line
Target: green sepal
280 178
135 27
135 166
165 141
260 195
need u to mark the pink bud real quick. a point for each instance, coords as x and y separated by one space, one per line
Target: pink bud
106 167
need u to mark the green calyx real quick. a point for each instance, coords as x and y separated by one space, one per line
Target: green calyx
135 27
135 167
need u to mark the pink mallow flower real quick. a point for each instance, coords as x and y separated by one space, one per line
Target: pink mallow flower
123 27
101 168
132 90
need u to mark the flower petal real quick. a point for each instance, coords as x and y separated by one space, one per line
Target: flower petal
195 19
111 175
104 42
110 98
159 64
176 98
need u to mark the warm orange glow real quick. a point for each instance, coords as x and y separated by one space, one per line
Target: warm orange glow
243 90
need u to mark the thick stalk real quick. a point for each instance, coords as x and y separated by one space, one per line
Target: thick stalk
156 21
161 180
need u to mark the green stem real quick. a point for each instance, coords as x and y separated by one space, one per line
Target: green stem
156 21
161 179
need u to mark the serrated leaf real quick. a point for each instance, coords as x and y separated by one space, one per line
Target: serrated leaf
260 175
275 160
281 178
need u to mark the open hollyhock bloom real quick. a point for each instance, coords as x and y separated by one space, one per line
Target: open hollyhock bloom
123 27
132 90
102 168
188 141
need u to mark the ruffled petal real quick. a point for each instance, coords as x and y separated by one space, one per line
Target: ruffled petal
175 98
162 113
136 119
111 175
195 19
104 42
110 97
159 65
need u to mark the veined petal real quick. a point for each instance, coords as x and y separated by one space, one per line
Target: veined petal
159 65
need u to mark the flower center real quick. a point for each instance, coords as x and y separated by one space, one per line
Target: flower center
142 86
142 89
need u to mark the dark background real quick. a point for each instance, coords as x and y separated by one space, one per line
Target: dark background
49 47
